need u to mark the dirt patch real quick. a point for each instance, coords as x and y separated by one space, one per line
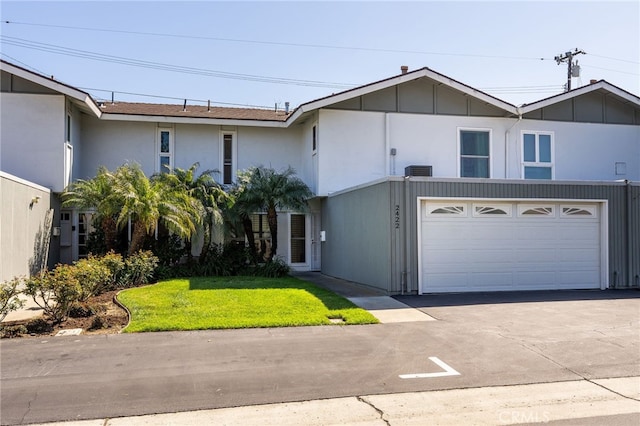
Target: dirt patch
104 317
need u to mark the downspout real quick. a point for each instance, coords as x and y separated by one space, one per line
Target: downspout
506 143
387 146
627 200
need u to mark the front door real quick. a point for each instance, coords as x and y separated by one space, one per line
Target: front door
66 237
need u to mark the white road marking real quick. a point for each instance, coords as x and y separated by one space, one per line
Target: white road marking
448 371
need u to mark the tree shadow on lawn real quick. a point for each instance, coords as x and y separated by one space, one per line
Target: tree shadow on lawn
331 300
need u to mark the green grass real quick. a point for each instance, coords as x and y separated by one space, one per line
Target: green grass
235 302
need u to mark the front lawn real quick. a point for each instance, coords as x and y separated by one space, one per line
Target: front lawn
235 302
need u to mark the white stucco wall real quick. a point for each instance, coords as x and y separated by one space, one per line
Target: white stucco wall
270 147
354 147
351 149
112 143
583 151
32 137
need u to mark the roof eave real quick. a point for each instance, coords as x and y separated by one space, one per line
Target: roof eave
192 120
69 91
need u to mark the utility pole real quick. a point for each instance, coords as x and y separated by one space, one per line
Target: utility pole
568 58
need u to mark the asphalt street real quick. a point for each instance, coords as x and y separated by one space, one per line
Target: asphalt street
488 344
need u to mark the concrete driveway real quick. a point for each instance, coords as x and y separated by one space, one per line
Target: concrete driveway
490 342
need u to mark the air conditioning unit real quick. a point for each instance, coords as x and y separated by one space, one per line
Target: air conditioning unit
418 171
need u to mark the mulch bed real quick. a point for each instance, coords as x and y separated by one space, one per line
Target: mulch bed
112 318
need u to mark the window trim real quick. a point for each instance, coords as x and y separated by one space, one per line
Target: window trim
314 138
160 154
537 163
234 155
459 150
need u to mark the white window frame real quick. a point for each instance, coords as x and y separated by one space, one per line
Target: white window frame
160 154
459 149
234 155
314 138
537 163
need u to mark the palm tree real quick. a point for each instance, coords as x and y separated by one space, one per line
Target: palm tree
96 193
207 192
147 201
268 190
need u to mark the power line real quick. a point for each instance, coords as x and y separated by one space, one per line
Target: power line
60 50
276 43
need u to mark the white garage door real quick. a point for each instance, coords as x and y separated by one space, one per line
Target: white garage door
480 245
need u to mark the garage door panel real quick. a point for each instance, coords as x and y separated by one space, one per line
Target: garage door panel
482 252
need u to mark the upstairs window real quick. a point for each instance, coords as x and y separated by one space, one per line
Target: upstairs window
314 139
475 153
228 145
537 155
164 150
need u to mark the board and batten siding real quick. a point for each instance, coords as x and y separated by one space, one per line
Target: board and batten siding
365 254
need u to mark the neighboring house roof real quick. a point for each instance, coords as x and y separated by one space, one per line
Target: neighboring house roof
399 79
82 99
601 85
119 109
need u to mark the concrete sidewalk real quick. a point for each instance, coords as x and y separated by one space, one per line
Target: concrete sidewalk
605 401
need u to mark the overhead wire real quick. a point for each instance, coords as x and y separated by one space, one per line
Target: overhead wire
276 43
61 50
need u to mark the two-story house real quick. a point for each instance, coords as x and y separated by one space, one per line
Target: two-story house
422 184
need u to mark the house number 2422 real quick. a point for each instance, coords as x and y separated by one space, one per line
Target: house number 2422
396 216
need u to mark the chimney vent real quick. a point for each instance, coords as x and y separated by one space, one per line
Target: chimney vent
404 69
286 107
592 81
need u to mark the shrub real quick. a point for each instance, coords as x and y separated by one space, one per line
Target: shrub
98 323
9 300
277 268
115 264
38 326
55 291
10 331
82 310
93 276
139 268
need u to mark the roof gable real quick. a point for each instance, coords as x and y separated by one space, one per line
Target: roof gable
599 102
29 80
414 92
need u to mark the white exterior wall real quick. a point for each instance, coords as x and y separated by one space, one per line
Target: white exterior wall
583 151
351 149
354 147
270 147
32 138
432 140
112 143
198 144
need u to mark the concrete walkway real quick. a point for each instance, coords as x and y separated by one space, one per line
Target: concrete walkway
385 308
605 401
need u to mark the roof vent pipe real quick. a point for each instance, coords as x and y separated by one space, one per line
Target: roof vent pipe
593 81
184 108
404 69
286 107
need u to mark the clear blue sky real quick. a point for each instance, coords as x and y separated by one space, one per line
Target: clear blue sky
486 45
